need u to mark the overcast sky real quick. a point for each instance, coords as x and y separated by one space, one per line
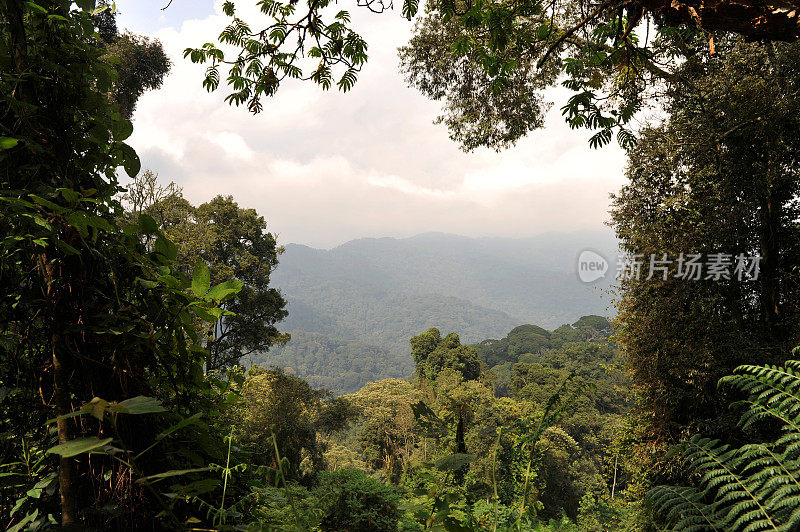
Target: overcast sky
325 167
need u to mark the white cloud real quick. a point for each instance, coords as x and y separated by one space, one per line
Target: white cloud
324 167
233 144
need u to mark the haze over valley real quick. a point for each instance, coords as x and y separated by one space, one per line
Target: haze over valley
353 308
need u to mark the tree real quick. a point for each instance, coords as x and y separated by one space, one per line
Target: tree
721 175
86 309
286 407
140 63
387 437
234 243
432 354
478 110
490 60
351 500
435 356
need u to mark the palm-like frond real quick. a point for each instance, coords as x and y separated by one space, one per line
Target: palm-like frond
683 507
751 488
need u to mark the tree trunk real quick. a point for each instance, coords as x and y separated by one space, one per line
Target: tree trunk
67 481
67 476
461 447
769 268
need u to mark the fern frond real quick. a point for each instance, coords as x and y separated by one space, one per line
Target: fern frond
683 508
755 487
771 386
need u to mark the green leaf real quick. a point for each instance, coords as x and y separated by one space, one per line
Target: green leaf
69 194
122 129
148 224
178 426
165 247
138 405
66 248
74 413
86 5
8 143
211 315
96 407
130 160
147 284
99 222
170 281
172 473
131 229
36 7
224 290
201 278
454 462
79 220
78 446
58 209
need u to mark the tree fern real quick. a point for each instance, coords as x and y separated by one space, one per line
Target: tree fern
751 488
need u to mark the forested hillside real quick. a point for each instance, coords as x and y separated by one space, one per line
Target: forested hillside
374 294
530 280
344 366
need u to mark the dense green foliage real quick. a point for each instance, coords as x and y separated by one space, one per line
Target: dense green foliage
490 60
720 175
234 243
752 487
124 313
93 319
140 63
342 366
536 340
354 501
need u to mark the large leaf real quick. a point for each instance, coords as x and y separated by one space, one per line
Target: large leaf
7 143
166 247
178 426
172 473
131 161
201 278
224 290
210 315
454 462
122 129
148 224
78 446
139 405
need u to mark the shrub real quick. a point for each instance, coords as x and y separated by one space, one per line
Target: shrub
351 501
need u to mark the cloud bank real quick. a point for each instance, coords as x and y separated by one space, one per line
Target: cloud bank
326 167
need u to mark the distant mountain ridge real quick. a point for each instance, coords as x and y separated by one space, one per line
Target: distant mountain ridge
532 280
372 295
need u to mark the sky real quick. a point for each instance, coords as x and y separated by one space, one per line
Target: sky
325 167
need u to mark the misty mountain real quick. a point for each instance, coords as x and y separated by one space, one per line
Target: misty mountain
369 296
530 280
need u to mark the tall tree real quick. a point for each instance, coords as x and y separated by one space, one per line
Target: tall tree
432 354
234 243
140 62
85 309
720 175
435 356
